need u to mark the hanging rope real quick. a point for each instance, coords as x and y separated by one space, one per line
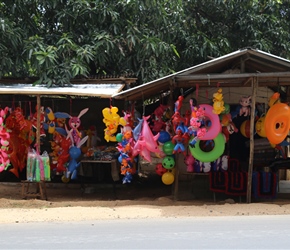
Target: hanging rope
196 91
143 104
70 106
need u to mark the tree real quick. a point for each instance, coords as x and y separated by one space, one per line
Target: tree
57 40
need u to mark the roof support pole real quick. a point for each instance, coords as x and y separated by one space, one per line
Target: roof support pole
38 123
176 175
251 157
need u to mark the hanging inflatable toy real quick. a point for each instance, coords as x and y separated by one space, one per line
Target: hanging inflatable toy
63 154
245 128
74 124
179 141
158 125
75 153
112 121
159 169
167 178
196 131
147 142
212 122
137 130
218 103
127 170
19 140
228 127
168 162
141 149
4 141
178 104
189 161
159 111
168 147
274 99
277 123
260 126
126 122
51 124
216 152
245 103
164 137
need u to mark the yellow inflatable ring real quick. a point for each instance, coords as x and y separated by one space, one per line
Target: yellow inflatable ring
277 123
216 152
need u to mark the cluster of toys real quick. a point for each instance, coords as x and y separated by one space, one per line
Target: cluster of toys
160 134
18 134
167 136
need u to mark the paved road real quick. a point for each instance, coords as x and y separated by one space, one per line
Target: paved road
249 232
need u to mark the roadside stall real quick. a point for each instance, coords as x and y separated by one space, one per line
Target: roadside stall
49 131
221 101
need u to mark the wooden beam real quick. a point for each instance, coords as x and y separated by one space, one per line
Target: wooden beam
232 76
252 121
247 81
262 64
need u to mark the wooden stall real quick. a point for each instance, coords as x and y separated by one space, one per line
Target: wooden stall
245 68
94 94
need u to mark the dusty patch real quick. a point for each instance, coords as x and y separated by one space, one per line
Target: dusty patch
71 203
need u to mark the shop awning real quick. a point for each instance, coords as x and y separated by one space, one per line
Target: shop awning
103 90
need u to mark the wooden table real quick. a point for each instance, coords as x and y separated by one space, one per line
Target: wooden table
96 163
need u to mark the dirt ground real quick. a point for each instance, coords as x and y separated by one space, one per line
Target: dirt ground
73 202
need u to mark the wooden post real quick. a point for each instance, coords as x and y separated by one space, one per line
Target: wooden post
38 105
251 157
176 175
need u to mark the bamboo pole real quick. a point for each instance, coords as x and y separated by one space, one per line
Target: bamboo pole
251 157
38 123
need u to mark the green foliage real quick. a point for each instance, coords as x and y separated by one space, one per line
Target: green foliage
57 40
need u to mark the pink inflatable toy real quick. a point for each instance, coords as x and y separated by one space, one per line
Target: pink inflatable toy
215 126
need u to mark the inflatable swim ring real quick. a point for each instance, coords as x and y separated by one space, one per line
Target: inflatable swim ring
215 126
277 123
216 152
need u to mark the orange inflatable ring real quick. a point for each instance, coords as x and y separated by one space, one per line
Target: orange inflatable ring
277 123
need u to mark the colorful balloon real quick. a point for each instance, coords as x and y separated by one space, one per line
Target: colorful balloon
119 137
164 136
168 162
160 170
168 148
245 128
167 178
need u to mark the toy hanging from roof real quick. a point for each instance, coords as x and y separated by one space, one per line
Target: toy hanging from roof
127 168
196 127
74 153
275 98
147 142
21 137
52 121
4 141
245 103
179 140
126 122
112 121
74 124
218 103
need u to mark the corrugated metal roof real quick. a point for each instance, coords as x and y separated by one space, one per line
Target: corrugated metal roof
93 90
